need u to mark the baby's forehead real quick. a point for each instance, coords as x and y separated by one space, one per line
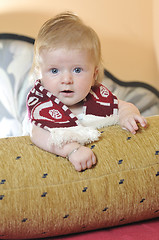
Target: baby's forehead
64 56
64 51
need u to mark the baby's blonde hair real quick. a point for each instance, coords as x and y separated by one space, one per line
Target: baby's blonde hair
67 30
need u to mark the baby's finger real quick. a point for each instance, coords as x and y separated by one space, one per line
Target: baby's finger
89 164
83 165
134 124
141 120
94 159
131 126
78 167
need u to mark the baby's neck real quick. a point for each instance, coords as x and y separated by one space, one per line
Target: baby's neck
77 108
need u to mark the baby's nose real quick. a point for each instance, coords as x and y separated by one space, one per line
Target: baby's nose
67 78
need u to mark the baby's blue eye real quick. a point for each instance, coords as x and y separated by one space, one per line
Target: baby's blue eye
77 70
54 70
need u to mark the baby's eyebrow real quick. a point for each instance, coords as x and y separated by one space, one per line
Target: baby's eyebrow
53 66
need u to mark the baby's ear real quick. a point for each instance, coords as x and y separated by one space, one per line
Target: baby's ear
95 76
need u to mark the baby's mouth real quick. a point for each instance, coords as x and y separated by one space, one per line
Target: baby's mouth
67 91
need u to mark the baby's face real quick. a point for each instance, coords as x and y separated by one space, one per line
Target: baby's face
68 74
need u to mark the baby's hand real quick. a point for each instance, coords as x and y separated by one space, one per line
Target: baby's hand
83 158
130 122
129 116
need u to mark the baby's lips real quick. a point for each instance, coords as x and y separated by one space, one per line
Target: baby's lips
67 91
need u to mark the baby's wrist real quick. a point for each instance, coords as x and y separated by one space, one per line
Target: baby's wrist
73 151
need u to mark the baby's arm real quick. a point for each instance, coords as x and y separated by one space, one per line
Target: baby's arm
129 116
80 156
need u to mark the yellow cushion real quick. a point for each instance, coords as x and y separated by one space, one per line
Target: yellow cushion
41 194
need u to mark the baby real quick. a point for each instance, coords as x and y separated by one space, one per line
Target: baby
68 103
